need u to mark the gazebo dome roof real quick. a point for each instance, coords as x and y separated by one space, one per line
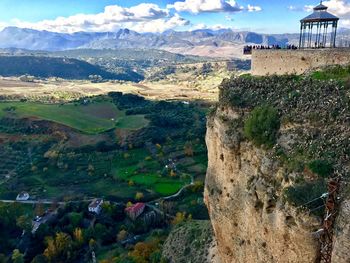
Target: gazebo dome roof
320 7
320 14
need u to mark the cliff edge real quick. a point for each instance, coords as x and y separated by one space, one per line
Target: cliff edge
264 197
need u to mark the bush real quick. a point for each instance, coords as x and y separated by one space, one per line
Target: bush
303 193
262 126
321 167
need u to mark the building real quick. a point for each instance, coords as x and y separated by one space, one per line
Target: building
319 29
95 206
135 210
22 196
317 48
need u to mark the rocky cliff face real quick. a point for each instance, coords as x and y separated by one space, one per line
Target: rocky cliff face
246 184
250 221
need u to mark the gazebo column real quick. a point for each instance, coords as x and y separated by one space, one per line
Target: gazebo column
335 24
311 25
301 35
304 35
324 40
317 35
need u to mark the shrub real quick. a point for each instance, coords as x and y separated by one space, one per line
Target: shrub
262 126
321 167
303 193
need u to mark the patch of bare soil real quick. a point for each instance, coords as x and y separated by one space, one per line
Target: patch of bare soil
12 83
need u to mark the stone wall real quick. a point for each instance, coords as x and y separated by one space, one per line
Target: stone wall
268 62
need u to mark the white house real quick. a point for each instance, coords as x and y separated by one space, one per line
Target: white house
22 196
96 206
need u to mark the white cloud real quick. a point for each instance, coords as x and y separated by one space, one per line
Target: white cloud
159 25
340 8
309 8
295 8
252 8
204 26
3 25
199 6
143 18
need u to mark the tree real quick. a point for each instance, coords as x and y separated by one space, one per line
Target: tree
39 209
179 218
75 219
122 235
172 173
24 222
58 248
139 196
188 149
78 236
197 186
92 244
262 126
17 257
142 251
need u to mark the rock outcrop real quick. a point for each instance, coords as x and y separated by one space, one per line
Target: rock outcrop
191 242
247 185
250 221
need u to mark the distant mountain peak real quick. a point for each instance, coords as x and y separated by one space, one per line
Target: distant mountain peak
23 38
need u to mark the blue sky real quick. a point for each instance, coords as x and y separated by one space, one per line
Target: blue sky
269 16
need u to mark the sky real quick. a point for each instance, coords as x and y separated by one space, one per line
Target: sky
68 16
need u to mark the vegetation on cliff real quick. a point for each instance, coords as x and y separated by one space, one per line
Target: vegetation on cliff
262 126
313 140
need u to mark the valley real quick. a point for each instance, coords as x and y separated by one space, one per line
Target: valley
66 152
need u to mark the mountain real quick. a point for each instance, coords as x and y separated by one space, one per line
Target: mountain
67 68
204 42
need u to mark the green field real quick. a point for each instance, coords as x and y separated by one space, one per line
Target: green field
147 174
93 118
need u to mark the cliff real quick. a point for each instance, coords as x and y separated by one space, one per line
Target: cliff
258 196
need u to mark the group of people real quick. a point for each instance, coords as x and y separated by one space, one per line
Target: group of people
248 49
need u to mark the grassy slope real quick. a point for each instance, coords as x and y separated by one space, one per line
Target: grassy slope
128 170
91 119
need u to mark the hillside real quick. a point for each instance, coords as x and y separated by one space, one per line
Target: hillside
190 242
66 68
273 143
213 43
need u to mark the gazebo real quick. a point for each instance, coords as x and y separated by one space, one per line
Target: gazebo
324 24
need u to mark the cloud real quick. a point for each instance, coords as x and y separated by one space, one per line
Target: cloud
295 8
200 6
308 8
143 18
252 8
340 8
204 26
159 25
3 25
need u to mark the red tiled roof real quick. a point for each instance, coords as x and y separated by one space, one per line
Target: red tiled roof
135 207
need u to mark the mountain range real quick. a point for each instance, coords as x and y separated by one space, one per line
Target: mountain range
204 42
